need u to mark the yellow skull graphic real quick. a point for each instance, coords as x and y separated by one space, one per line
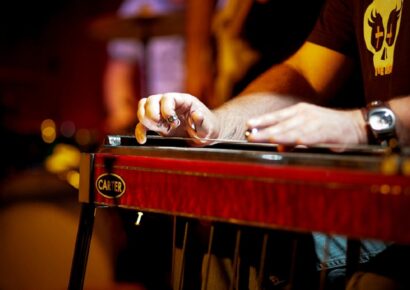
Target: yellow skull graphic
381 26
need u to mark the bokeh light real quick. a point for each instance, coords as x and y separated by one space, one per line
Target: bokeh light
48 131
67 129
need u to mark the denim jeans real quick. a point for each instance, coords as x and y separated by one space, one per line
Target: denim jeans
335 254
331 253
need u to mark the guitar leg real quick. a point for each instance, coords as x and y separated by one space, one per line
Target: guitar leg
82 247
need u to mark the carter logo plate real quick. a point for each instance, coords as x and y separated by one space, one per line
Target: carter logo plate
110 185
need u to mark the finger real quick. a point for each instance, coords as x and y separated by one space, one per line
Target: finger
200 128
191 127
172 102
152 108
148 114
160 126
168 108
142 117
194 130
141 133
281 130
287 138
141 109
197 122
272 118
311 133
308 133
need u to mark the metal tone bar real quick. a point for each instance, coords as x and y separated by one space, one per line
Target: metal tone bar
208 261
263 259
82 247
236 260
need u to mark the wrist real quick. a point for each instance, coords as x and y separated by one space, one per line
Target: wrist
359 126
380 123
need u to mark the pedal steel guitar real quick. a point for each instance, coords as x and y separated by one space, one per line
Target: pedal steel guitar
360 192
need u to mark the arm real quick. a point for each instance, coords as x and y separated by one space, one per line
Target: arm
276 89
225 122
303 123
313 74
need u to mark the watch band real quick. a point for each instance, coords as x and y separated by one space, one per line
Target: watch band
383 137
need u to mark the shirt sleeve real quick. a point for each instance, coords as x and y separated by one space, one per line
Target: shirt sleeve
334 27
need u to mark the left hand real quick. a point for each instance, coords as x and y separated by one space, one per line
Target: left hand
190 118
308 124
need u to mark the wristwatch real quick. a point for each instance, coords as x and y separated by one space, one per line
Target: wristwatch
380 123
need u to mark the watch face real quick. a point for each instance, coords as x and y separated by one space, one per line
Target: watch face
381 120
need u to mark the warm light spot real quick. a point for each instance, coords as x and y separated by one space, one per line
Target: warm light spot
390 165
406 167
73 178
385 189
47 123
48 131
64 157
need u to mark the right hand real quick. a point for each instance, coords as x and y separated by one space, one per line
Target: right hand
176 114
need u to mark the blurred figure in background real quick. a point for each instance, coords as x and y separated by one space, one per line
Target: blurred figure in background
141 64
217 47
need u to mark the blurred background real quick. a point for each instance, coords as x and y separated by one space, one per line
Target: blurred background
72 71
50 110
50 69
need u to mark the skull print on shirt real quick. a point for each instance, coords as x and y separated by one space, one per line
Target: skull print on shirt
381 25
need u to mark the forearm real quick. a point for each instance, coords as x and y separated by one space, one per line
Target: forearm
401 108
282 79
279 87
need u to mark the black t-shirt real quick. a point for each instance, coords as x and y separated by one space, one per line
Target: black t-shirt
377 34
276 29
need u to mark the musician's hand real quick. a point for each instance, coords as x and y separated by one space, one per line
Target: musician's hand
309 124
176 114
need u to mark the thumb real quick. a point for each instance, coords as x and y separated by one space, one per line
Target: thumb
141 133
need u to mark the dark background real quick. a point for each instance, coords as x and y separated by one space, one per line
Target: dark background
50 67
